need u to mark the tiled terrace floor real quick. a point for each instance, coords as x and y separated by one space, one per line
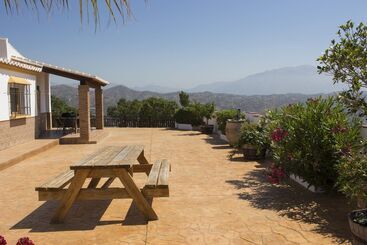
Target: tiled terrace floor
212 200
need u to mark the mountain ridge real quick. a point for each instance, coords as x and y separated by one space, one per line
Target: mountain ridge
257 103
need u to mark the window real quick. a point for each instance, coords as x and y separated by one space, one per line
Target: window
20 99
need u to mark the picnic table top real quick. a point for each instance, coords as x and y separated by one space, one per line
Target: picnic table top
111 157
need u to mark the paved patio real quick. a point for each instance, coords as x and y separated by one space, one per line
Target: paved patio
212 200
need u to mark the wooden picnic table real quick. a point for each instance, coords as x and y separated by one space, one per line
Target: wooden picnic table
110 163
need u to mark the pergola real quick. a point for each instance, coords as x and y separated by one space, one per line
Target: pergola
87 81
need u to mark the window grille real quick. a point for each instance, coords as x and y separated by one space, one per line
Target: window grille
20 99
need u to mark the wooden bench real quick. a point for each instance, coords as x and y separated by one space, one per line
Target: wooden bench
110 163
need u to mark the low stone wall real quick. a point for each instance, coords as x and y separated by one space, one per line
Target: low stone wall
17 131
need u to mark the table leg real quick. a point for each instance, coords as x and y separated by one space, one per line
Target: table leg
70 195
142 160
135 194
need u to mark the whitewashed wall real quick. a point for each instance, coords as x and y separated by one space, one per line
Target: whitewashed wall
4 97
44 86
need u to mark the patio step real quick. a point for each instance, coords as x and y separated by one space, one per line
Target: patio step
18 153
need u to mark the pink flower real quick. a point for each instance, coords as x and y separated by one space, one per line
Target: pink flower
290 157
278 134
2 241
275 174
25 241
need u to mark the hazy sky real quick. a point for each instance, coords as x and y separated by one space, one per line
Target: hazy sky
184 43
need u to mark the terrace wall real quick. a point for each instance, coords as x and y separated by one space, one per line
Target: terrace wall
17 131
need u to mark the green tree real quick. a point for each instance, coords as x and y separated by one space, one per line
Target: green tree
346 60
184 99
149 109
59 107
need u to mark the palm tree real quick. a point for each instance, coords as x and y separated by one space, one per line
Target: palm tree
114 7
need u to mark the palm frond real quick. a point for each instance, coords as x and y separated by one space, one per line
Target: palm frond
114 7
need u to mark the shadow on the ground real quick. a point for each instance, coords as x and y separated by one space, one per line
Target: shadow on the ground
327 211
84 215
189 134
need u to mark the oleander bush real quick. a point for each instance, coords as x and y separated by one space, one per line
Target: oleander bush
312 139
352 179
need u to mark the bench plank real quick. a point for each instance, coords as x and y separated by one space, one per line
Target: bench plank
57 182
163 174
153 175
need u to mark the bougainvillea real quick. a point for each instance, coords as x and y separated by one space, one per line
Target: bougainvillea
25 241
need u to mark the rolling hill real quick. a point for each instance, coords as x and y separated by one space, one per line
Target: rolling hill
257 103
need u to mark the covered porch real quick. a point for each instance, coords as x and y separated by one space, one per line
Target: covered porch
87 82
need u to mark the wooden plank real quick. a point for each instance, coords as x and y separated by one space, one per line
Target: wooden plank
100 158
57 182
70 196
153 175
128 155
136 194
163 174
101 194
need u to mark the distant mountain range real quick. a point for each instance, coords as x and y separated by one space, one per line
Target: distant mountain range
256 103
298 79
257 92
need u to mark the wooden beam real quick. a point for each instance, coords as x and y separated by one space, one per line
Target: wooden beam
136 194
101 194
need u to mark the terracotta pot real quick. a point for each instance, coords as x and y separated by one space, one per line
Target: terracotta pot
250 153
359 231
233 131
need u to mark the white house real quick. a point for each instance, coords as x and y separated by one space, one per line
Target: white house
25 97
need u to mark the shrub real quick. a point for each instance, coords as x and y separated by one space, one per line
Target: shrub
188 116
254 135
223 116
311 139
352 180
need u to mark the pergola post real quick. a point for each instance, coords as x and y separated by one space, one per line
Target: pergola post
84 112
99 107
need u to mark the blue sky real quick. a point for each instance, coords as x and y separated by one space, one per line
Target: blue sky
184 43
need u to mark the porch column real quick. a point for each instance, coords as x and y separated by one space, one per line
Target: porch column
99 107
84 113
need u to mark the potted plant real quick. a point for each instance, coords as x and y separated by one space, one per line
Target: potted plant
233 128
352 181
253 141
207 111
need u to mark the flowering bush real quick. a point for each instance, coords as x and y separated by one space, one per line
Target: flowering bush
275 174
2 241
352 179
310 140
25 241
